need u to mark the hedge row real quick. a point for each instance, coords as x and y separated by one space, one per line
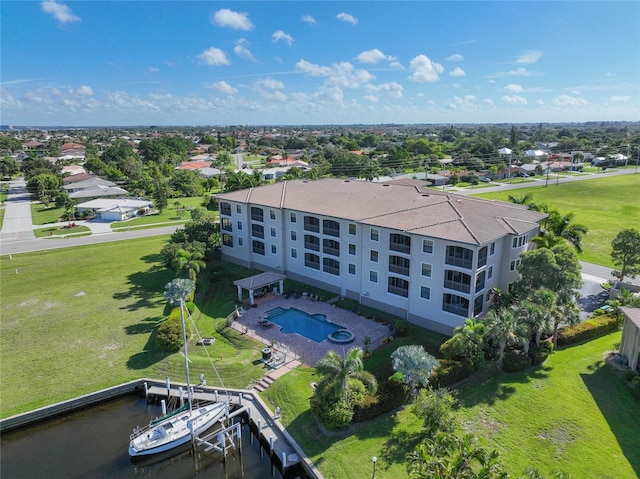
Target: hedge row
589 329
450 371
390 395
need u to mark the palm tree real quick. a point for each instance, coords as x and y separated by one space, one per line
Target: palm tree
501 326
342 369
190 262
472 335
524 199
415 365
565 310
534 315
562 227
450 456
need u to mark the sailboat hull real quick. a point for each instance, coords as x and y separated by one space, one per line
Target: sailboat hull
174 431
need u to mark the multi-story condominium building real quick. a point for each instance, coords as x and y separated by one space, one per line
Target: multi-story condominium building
428 256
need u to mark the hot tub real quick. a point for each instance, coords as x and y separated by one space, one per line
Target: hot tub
341 336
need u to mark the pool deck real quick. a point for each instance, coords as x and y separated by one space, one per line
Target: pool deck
299 347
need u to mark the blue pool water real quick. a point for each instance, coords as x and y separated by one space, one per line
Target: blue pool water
312 326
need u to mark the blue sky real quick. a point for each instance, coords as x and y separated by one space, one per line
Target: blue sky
101 63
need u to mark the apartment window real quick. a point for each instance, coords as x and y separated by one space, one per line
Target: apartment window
426 270
294 253
257 231
273 232
311 223
352 229
352 249
293 217
490 272
225 208
399 265
459 256
519 241
480 281
331 266
457 280
227 240
352 268
272 214
375 234
273 249
398 286
478 303
513 266
226 224
455 304
258 247
374 256
294 236
331 247
492 249
373 276
239 209
239 225
240 241
425 292
482 257
427 246
312 242
331 228
312 260
400 243
257 214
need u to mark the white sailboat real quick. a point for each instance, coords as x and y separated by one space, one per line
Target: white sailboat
181 426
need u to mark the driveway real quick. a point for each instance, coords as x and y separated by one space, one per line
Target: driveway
17 223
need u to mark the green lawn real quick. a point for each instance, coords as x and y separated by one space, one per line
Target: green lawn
62 231
170 214
605 205
70 313
41 215
568 414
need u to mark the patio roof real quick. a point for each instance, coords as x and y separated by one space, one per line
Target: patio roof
259 280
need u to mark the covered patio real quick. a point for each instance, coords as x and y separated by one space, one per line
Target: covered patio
259 285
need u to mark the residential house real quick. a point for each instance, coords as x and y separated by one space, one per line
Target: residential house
428 256
107 209
630 342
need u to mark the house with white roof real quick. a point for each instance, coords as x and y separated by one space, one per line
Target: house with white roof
108 209
428 256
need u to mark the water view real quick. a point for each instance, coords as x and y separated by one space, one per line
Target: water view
93 443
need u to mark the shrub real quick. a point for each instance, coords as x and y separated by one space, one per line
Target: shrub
450 371
629 375
389 396
460 348
169 336
515 361
332 410
436 410
539 354
635 383
589 329
402 327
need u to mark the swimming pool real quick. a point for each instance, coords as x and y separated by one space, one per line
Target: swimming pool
313 326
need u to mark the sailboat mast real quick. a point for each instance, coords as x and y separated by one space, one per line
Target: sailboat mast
186 364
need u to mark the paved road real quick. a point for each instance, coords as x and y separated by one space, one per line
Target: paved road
17 223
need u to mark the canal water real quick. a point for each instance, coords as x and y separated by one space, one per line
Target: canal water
93 443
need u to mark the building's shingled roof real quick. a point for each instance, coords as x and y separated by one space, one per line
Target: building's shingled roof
404 206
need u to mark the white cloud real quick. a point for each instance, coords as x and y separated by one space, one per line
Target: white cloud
467 102
223 87
339 74
566 100
85 90
518 72
396 66
456 57
514 88
373 56
347 17
372 98
214 57
308 19
269 84
329 95
620 99
514 100
228 18
392 89
280 35
457 72
61 12
242 51
424 70
529 56
154 69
